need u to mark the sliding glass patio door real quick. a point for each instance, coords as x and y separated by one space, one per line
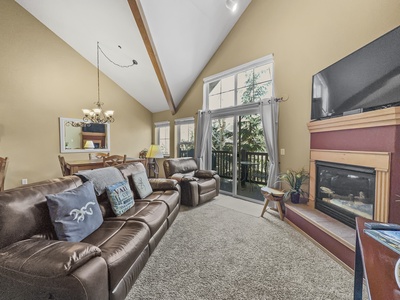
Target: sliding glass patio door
223 154
238 154
252 164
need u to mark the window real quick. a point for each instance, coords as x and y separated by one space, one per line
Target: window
162 136
245 84
184 132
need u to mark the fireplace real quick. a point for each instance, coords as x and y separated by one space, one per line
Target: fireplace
370 140
345 191
379 162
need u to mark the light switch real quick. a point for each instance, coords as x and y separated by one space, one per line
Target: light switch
282 151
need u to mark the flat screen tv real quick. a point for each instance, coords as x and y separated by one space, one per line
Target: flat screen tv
367 79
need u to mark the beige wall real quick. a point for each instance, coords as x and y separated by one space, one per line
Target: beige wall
305 37
42 79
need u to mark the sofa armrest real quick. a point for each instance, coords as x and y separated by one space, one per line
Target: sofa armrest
205 173
46 258
183 177
162 184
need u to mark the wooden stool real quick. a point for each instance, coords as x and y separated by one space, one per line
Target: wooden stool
272 195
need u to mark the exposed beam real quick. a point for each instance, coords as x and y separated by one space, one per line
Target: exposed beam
140 19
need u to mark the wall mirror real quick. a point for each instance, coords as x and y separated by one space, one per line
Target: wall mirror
93 138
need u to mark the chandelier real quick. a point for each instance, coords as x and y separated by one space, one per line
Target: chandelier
97 115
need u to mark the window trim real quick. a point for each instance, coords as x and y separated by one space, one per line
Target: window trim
157 126
178 123
233 71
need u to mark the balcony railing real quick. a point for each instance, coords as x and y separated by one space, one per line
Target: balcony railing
255 169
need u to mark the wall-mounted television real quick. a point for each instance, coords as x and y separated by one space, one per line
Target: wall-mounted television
365 80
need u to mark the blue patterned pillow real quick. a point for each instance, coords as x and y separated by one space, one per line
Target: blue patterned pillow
120 196
75 213
142 184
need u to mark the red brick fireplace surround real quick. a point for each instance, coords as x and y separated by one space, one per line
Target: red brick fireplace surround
370 139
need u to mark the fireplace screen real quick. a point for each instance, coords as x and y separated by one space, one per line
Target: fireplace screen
345 191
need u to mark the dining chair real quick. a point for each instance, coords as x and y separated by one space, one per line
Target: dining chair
98 155
3 170
65 169
113 160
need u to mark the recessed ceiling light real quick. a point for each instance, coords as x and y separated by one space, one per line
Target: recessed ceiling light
231 4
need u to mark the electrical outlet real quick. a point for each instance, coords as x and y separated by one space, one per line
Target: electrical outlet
24 181
282 151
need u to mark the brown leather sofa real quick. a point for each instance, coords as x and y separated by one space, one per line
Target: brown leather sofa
197 186
104 265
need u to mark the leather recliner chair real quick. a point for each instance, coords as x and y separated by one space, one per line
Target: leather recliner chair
197 186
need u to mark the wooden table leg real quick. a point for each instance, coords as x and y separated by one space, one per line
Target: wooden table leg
358 272
265 206
279 204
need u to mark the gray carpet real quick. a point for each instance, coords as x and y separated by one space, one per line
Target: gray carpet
213 252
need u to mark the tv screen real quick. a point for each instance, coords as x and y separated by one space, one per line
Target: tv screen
367 79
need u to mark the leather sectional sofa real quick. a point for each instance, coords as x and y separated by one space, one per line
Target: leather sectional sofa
34 264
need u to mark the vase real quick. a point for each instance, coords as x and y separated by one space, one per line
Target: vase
295 197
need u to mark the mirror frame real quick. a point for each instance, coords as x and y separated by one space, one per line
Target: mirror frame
62 138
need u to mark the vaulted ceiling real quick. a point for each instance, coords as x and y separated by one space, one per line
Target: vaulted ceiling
172 40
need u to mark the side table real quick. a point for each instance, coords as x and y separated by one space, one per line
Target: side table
376 262
271 194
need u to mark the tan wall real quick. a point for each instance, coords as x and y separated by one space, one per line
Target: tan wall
42 79
305 37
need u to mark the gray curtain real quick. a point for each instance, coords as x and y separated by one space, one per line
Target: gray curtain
269 110
203 131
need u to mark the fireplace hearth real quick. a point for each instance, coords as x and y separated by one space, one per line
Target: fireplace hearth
345 191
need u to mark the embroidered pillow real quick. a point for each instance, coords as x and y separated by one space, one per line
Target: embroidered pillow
120 196
75 213
142 184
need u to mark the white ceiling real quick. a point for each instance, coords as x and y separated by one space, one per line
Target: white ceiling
185 33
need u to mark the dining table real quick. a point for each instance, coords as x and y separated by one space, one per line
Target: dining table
89 164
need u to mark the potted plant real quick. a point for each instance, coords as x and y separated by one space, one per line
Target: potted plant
142 154
295 180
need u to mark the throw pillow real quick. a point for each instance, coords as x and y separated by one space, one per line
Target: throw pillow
75 213
120 196
142 184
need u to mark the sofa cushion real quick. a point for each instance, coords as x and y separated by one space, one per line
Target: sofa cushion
120 196
75 213
154 215
46 258
134 210
169 197
102 178
206 185
179 165
121 243
142 184
27 205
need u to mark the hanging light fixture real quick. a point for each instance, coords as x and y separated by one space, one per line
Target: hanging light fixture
231 4
97 115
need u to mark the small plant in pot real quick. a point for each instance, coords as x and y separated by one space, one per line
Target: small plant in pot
295 180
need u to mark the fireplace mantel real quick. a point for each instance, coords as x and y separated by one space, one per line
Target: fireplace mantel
382 117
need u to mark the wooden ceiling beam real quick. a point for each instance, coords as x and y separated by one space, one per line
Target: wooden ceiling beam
141 22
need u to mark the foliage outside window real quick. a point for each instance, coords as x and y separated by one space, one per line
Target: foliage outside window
247 85
184 129
162 136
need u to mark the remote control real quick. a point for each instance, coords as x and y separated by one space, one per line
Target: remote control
382 226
